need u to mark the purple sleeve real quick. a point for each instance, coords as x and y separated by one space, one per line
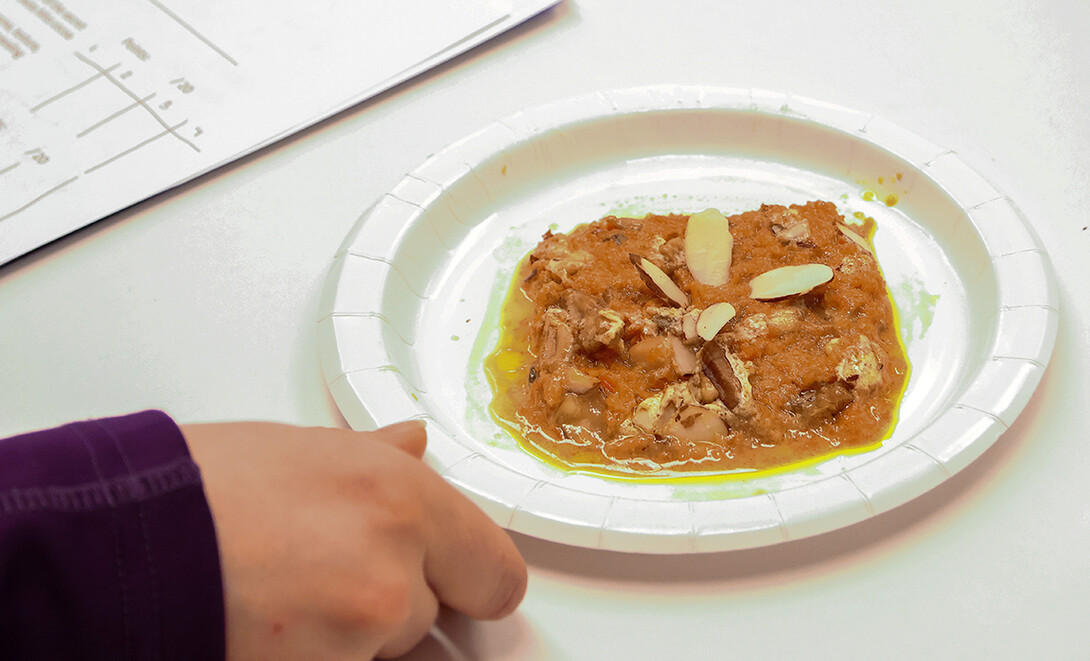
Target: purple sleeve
107 547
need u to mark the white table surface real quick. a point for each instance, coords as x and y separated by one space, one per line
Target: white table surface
203 302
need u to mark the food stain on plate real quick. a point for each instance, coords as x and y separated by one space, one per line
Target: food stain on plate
477 414
916 309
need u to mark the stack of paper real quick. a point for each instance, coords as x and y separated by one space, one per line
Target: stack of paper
103 104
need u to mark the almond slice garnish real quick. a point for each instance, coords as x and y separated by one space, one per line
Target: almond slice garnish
855 238
688 324
708 246
657 280
684 358
712 320
789 281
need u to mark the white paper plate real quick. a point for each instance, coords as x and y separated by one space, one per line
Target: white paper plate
413 299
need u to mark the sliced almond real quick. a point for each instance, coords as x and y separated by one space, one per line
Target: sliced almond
657 280
789 281
684 358
712 320
855 238
708 246
688 324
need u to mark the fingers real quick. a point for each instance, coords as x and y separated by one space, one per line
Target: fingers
424 608
470 562
379 521
409 436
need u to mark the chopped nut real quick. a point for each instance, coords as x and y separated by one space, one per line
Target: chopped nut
566 266
851 264
665 319
609 329
797 233
727 374
861 368
789 281
656 410
703 389
673 254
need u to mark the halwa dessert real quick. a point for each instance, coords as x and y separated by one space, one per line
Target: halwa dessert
671 344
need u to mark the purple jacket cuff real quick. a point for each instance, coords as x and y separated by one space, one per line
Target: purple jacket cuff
107 545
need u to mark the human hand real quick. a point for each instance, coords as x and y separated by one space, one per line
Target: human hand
338 544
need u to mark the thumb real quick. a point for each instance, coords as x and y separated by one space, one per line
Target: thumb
409 436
